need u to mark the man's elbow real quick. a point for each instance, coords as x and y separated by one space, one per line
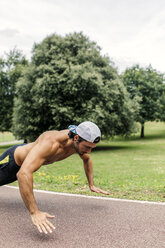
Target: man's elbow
87 159
21 174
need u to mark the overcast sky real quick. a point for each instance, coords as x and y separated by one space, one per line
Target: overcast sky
129 31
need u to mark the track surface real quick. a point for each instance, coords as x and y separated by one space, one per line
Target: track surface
81 222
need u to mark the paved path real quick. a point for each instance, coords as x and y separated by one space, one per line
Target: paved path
81 222
11 142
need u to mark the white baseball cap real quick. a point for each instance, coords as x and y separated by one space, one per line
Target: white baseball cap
89 131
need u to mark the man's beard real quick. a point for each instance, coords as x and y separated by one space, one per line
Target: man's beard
77 149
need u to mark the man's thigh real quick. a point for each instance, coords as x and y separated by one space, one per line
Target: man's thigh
8 167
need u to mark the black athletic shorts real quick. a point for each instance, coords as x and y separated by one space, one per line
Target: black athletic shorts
8 166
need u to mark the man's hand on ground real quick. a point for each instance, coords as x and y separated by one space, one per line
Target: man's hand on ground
97 190
39 219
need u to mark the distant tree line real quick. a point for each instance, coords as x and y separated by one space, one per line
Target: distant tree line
11 68
68 81
148 85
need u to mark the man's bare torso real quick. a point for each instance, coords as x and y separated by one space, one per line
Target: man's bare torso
61 147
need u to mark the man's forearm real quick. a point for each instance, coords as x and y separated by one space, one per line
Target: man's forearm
89 174
26 189
89 171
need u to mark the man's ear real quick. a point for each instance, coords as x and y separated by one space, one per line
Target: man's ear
76 137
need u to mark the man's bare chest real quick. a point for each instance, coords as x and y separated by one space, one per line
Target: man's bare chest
60 154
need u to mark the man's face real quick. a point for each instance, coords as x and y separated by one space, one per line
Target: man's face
83 147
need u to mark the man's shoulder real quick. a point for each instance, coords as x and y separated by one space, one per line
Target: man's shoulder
56 132
55 136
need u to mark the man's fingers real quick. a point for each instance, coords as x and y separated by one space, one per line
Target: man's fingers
105 192
97 190
47 227
49 216
50 224
39 229
42 226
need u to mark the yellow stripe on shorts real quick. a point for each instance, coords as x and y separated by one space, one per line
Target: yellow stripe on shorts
5 160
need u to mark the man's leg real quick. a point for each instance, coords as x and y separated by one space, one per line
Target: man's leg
8 166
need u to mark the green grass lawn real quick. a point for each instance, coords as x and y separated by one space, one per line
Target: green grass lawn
131 168
6 136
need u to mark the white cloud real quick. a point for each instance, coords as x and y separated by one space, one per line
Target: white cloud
129 31
8 32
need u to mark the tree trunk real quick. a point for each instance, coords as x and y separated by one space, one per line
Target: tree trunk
142 130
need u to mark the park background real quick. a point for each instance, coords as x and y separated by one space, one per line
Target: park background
68 78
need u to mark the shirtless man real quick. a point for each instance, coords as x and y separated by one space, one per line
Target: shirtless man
20 161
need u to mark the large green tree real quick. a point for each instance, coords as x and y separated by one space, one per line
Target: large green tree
162 101
148 85
67 82
11 67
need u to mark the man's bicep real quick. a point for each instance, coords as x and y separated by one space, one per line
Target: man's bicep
35 158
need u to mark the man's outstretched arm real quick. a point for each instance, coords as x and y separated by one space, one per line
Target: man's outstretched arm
33 161
89 174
